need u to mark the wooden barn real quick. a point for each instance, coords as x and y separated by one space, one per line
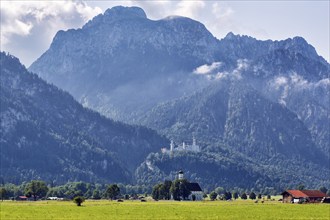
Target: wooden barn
295 196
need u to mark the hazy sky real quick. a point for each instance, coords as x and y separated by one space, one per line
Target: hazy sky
27 27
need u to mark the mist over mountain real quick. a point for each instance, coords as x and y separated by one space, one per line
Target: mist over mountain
264 101
46 134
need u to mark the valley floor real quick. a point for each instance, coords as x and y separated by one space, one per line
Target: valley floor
162 210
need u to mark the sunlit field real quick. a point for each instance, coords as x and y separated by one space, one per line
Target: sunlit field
162 210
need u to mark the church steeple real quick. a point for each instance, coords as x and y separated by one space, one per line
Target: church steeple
180 176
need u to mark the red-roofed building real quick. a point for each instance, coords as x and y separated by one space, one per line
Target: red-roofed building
295 196
21 198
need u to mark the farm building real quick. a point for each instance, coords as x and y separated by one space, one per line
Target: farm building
22 198
295 196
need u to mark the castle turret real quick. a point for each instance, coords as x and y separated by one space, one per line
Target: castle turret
194 146
172 145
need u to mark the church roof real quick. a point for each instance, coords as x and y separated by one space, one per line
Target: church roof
194 187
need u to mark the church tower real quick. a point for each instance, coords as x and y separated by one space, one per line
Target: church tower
180 176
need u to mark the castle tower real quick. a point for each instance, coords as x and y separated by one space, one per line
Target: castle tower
172 145
195 147
180 176
183 146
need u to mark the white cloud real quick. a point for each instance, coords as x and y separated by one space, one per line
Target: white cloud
242 64
160 9
216 16
299 81
207 69
285 85
221 75
211 72
189 8
27 27
280 81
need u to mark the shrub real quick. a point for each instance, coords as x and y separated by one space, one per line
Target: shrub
252 195
213 195
79 200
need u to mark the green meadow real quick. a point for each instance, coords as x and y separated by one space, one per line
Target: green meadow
104 209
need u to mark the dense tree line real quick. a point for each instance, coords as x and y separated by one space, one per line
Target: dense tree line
37 189
177 190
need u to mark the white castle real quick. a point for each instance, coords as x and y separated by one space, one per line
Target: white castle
183 147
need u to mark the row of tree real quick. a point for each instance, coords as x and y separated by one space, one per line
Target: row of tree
235 195
71 189
178 190
37 189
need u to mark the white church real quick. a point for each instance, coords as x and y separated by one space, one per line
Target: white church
183 147
194 188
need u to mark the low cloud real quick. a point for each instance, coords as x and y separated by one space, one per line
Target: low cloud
207 69
280 81
242 65
285 85
213 71
297 82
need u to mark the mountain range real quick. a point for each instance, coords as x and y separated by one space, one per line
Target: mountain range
257 107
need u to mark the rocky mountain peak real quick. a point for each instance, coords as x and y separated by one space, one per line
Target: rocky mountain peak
230 36
116 14
301 46
125 12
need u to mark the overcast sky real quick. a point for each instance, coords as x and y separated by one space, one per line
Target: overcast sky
28 27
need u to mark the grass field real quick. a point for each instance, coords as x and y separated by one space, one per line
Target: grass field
162 210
